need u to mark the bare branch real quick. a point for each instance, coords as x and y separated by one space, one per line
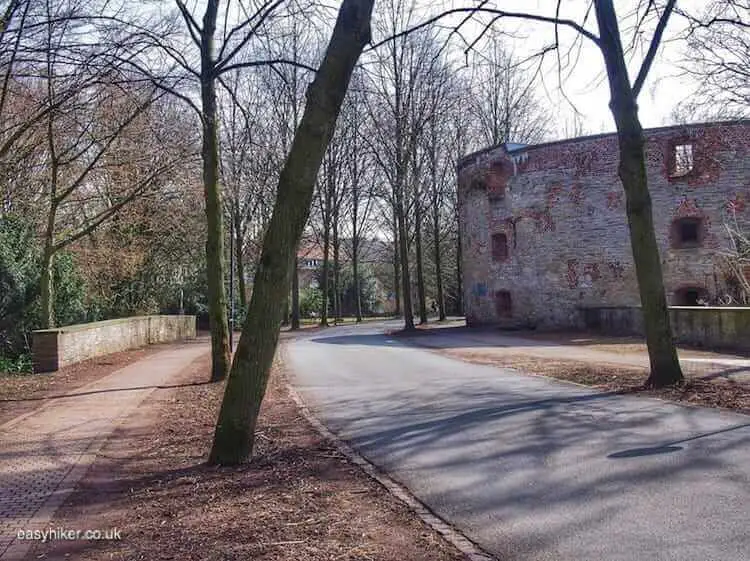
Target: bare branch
653 48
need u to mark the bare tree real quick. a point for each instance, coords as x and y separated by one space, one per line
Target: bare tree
737 258
88 110
505 107
236 34
717 56
399 108
234 437
361 194
665 367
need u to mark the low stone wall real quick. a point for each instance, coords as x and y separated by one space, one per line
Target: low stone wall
701 326
54 348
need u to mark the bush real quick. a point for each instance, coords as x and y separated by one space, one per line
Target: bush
19 287
19 365
310 302
19 284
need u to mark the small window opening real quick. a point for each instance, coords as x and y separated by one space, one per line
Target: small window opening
499 247
690 296
503 303
687 232
682 160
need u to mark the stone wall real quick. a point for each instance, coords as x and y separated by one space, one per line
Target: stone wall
54 348
702 326
560 210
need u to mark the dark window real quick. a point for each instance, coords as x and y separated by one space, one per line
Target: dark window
499 247
689 296
503 303
682 160
686 232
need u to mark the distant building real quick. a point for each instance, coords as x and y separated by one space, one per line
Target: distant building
310 258
544 231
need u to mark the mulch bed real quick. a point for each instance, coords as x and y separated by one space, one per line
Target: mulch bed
298 499
724 393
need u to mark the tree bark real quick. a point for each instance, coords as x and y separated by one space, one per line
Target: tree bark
355 251
665 366
233 440
336 292
217 299
357 288
396 269
46 280
325 284
404 256
438 259
295 295
238 246
420 271
459 276
47 287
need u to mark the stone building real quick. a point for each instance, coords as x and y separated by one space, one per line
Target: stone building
544 232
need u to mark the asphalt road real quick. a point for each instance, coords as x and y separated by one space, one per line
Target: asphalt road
531 468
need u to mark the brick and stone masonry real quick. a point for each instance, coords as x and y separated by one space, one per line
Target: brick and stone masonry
544 231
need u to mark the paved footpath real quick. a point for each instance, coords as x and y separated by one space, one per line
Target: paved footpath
531 468
44 453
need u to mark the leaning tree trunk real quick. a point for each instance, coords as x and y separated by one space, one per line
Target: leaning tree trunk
233 440
217 299
665 366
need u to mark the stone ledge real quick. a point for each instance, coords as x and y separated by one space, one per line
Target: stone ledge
54 348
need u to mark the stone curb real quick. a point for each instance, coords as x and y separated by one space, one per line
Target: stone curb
453 536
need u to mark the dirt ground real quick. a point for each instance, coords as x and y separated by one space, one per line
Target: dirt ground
613 344
299 499
719 392
21 393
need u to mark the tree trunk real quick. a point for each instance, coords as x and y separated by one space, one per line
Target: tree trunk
47 288
295 295
665 366
420 271
357 287
397 271
336 278
238 246
325 284
459 276
233 440
404 256
217 300
355 253
46 281
287 310
438 259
